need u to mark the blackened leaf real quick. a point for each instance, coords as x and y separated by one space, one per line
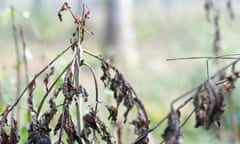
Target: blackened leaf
47 76
106 76
141 123
58 125
67 87
9 138
31 88
38 138
70 129
172 134
113 112
91 120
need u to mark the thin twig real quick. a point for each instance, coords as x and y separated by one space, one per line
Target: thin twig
95 83
204 57
35 77
212 77
62 123
24 54
78 114
99 57
150 130
51 87
17 57
25 64
188 117
186 94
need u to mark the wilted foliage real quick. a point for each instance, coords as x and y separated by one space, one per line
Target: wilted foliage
90 127
11 137
172 134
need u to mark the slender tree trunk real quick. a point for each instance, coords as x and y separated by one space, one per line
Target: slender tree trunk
120 30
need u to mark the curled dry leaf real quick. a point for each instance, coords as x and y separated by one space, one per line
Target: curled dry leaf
31 88
39 130
210 107
141 123
91 120
121 89
68 88
11 137
113 112
106 76
38 138
51 100
173 134
69 127
83 92
64 7
69 91
122 92
217 104
47 76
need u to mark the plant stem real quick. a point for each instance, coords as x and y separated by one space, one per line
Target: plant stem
78 115
95 83
204 57
62 123
17 57
35 77
50 89
233 119
25 63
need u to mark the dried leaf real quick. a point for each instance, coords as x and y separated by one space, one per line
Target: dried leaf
91 120
67 87
47 76
69 127
13 136
113 112
172 134
106 77
141 123
31 88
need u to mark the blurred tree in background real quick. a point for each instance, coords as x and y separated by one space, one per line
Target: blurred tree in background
121 34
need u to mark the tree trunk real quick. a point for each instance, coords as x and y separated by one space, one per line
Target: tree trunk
120 36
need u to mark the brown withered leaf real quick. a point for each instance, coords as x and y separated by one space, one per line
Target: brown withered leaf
11 137
122 92
38 138
91 120
67 87
69 127
106 76
113 112
31 88
210 107
173 134
39 130
47 76
64 7
141 123
217 104
83 92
